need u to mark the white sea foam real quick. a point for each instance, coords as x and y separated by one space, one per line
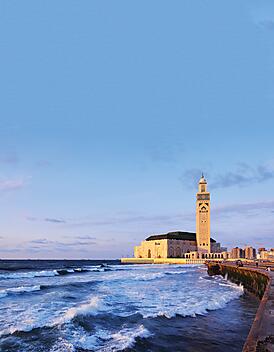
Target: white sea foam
197 304
150 291
89 308
46 320
30 274
62 346
20 289
125 338
154 276
27 325
103 340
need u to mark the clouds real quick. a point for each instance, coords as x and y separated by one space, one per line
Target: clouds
263 15
11 184
56 221
43 244
242 176
84 237
50 220
243 208
267 24
191 177
9 158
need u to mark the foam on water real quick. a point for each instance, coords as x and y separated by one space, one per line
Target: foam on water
18 290
47 320
30 274
124 338
106 316
47 273
89 308
102 340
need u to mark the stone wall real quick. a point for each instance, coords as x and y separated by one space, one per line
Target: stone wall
252 280
261 283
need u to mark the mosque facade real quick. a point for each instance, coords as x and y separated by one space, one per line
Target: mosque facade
180 244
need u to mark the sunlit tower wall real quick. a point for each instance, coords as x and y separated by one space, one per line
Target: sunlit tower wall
203 217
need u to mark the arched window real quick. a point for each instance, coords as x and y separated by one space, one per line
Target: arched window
149 253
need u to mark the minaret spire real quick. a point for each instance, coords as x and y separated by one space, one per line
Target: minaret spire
203 217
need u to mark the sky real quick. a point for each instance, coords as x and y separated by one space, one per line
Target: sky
111 110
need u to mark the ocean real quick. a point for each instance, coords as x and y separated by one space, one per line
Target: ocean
65 306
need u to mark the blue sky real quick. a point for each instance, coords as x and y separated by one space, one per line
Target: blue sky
109 112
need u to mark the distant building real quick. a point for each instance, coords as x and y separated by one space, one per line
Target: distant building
236 253
266 255
179 244
249 252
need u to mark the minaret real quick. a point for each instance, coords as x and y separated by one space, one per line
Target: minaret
203 217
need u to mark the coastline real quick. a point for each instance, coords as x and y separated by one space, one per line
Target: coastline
260 283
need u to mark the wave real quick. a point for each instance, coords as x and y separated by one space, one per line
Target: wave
72 271
199 305
72 284
47 273
124 339
102 340
175 272
89 308
154 276
30 274
18 290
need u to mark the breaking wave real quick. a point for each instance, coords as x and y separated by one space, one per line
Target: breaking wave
18 290
89 308
154 276
30 274
49 273
106 311
123 339
112 341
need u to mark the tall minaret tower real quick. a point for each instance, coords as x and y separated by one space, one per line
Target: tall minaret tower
203 217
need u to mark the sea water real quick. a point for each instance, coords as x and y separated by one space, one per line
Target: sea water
65 306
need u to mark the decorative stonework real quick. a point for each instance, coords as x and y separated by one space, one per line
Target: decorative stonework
203 218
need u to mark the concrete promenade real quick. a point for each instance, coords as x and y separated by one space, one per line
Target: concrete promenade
261 335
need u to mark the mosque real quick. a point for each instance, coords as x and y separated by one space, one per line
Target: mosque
187 245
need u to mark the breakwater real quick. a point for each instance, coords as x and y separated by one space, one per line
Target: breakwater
260 283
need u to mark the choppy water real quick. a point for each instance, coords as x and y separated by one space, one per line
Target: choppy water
103 306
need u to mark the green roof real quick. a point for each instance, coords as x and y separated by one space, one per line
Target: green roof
176 235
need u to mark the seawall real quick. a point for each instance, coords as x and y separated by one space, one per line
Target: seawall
164 261
260 283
